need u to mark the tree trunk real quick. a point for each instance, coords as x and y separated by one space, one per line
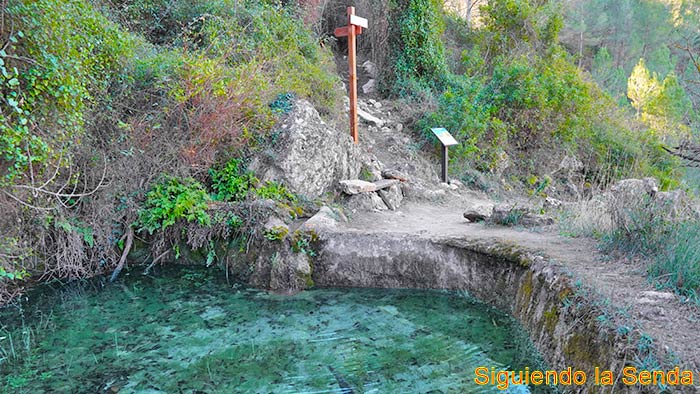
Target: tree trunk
469 14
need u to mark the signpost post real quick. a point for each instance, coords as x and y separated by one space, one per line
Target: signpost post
354 28
446 140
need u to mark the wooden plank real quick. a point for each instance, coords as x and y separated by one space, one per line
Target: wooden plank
357 21
343 31
352 65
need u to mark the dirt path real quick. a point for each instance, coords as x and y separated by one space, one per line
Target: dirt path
673 325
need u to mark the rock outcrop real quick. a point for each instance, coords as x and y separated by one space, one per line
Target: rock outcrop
279 268
372 196
310 157
633 203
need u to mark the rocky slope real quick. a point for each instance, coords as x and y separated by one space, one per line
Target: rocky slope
399 226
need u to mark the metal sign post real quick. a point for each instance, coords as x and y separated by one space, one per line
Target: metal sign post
354 28
446 140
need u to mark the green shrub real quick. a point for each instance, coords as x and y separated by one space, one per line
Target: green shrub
515 23
230 219
61 56
173 200
12 260
522 97
678 263
232 182
12 275
302 242
266 38
419 62
274 191
283 103
276 233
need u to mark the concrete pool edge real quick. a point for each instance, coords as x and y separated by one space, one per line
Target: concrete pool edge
563 325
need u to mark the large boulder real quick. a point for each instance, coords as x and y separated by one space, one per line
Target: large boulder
631 203
277 267
392 196
365 202
357 186
568 174
636 203
309 157
283 260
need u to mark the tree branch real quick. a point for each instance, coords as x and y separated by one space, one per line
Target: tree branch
125 253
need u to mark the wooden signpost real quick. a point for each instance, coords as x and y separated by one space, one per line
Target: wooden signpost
447 140
354 28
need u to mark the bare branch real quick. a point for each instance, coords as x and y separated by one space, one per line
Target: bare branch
26 204
688 151
125 253
155 261
71 194
59 195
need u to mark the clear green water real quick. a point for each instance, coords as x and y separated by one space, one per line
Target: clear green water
187 331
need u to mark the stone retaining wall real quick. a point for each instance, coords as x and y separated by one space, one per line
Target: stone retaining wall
532 289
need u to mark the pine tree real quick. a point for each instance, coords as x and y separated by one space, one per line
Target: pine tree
642 87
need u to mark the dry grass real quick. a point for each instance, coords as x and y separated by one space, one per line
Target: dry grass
586 218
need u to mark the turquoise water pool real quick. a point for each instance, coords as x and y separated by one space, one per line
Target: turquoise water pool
186 330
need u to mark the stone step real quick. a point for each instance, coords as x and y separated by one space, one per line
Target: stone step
357 186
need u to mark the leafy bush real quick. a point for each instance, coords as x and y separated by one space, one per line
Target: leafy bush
678 263
61 56
232 182
522 98
173 200
12 275
11 258
276 233
528 23
274 191
302 242
283 103
153 86
418 59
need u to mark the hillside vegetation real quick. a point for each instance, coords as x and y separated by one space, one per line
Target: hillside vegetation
102 100
516 98
124 121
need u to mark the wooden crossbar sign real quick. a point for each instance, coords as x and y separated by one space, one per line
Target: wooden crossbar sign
354 28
